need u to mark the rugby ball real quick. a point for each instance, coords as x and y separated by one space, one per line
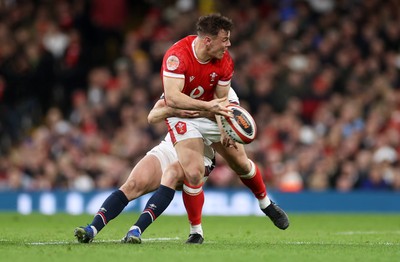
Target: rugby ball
241 127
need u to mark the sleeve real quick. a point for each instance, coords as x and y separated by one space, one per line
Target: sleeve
227 70
174 64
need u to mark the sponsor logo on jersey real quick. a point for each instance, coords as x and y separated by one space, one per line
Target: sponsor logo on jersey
191 78
197 92
172 63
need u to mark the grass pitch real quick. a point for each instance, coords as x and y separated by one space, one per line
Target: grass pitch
310 237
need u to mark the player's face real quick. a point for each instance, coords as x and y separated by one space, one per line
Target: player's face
219 44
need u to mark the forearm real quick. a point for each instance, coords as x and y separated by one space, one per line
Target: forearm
176 99
181 101
161 111
157 115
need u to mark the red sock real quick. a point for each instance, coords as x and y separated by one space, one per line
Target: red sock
254 182
193 199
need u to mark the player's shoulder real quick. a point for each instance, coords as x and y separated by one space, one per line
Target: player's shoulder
182 46
178 55
180 52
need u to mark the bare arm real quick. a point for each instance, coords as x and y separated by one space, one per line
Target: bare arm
222 92
160 111
176 99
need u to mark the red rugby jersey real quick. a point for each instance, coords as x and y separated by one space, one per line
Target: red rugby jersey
201 79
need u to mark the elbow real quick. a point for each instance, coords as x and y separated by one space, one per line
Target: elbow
170 102
150 119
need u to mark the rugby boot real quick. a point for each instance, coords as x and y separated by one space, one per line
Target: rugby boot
133 236
195 239
277 216
84 234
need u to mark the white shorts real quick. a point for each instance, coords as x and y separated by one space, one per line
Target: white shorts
185 128
166 154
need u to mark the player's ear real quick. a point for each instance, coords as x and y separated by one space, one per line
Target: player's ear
207 40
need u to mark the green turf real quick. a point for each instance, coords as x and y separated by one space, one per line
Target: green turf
311 237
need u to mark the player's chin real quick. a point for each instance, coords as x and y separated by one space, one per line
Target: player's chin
220 55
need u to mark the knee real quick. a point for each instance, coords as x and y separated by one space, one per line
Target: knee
172 177
194 175
241 166
131 189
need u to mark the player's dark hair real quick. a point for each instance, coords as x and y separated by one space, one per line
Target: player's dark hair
211 24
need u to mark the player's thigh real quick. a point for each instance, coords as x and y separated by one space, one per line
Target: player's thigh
236 158
173 176
190 155
145 177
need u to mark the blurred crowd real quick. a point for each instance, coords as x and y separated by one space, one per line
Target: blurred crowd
321 78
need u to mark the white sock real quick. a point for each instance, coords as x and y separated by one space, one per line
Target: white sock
263 203
94 230
197 229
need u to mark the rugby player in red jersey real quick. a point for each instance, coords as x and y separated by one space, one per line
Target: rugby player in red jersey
197 73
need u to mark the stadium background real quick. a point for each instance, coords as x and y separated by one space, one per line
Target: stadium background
321 78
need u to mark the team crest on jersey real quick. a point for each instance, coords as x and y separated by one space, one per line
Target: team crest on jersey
213 75
180 127
172 63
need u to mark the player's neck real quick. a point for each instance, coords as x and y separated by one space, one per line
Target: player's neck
200 51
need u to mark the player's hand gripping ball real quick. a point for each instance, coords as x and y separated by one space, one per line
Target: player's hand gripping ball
241 127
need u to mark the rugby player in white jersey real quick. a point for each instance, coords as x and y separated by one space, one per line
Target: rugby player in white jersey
146 176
